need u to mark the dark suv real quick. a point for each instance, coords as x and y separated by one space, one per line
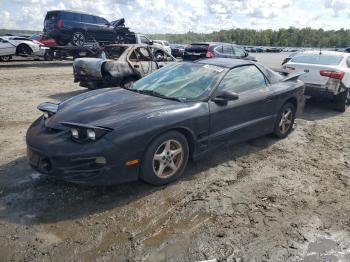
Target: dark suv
78 28
210 50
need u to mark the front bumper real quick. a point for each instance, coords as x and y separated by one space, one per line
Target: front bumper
53 153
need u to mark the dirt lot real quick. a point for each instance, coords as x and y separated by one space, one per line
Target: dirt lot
263 200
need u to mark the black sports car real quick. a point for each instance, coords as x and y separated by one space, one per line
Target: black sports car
150 131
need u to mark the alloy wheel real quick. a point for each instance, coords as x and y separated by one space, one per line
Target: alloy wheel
78 39
168 159
286 120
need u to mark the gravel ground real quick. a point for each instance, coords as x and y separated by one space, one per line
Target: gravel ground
263 200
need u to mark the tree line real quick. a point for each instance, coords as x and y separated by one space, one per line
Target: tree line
293 37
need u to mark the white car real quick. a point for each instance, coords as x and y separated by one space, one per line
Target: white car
327 75
164 44
21 46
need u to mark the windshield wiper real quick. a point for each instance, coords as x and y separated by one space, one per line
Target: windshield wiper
155 93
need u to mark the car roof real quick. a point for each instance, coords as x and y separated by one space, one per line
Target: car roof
71 11
318 52
224 62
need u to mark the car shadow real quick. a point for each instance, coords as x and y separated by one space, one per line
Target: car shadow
316 109
28 198
65 95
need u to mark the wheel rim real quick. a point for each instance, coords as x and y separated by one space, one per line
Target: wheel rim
168 159
286 120
78 39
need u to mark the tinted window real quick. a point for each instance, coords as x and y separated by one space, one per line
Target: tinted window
243 79
239 51
51 16
317 59
68 16
101 20
88 19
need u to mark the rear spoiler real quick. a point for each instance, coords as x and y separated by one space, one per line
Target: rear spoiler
288 76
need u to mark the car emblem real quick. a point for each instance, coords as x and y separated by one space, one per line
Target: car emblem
306 70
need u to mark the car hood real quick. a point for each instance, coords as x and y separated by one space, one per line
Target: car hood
108 107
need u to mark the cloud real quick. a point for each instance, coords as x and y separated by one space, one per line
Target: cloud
178 16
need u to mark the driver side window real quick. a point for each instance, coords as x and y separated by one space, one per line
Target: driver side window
242 79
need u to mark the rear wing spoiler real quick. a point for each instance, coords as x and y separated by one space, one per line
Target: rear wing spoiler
288 76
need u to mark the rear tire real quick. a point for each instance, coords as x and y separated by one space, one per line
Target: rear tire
165 159
342 101
285 121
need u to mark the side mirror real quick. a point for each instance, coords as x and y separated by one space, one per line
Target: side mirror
223 97
151 42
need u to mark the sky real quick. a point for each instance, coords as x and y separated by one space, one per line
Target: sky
179 16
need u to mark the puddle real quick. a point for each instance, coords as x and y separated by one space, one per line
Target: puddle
324 249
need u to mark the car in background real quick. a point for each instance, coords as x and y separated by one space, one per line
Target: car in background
164 44
20 46
177 50
151 130
201 50
327 75
77 28
120 65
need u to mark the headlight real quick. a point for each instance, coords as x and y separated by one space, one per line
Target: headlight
83 133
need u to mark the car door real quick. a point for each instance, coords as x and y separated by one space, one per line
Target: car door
106 30
6 48
251 115
141 60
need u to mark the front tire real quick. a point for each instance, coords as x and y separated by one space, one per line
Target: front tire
165 159
24 50
78 39
342 101
285 121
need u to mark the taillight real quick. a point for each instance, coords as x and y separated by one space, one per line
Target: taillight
209 53
333 74
59 23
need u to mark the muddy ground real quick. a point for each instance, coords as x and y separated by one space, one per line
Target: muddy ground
263 200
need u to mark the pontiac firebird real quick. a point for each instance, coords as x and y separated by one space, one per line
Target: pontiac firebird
152 129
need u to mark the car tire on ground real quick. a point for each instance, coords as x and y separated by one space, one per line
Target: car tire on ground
165 159
78 38
285 120
342 101
128 82
5 58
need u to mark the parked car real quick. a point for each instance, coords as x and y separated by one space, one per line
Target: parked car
164 44
150 131
21 46
77 28
327 75
120 65
210 50
44 40
177 50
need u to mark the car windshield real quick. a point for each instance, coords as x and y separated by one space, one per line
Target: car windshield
183 81
317 59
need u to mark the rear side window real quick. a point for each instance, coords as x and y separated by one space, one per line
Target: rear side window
317 59
227 49
144 40
51 16
68 16
242 79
